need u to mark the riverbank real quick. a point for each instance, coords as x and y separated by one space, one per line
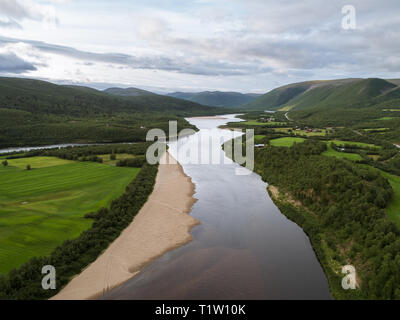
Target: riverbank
209 117
161 225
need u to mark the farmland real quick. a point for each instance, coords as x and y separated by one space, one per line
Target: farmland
285 142
330 152
42 207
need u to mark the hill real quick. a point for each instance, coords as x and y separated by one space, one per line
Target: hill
129 92
216 98
34 112
331 102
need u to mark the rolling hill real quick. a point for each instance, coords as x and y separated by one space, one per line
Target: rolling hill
333 101
129 92
41 96
34 112
216 98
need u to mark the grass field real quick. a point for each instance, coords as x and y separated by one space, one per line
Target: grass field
387 118
285 142
37 162
341 155
376 129
393 209
358 144
258 138
41 208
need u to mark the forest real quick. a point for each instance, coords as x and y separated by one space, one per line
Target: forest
341 206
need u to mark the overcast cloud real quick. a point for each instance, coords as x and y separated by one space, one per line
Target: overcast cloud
241 45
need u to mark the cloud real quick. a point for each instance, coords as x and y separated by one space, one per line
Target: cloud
251 43
11 63
16 11
9 24
188 65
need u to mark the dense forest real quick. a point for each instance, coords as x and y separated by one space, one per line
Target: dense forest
340 205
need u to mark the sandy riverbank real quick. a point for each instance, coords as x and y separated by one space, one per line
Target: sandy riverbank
161 225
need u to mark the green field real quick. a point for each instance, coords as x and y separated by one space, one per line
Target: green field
41 208
258 138
357 144
393 209
386 118
341 155
376 129
285 142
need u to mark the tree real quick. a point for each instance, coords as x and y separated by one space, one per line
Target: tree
5 163
28 167
113 156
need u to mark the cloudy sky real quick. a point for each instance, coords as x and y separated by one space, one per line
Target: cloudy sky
195 45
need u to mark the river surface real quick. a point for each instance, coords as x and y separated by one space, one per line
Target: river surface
245 248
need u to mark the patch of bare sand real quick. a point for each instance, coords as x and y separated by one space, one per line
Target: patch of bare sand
161 225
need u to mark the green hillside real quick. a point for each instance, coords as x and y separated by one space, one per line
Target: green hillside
334 102
216 98
36 112
129 92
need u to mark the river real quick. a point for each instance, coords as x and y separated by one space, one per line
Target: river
55 146
245 248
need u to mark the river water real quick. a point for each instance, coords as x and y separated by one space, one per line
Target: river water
56 146
243 249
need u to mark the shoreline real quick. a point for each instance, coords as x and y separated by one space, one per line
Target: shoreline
162 224
209 117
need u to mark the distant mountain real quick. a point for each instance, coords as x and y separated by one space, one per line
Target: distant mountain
216 98
332 99
45 97
282 96
129 92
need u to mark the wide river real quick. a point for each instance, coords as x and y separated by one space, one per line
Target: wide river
245 248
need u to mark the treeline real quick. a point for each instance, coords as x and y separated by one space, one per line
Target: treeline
136 162
74 153
42 129
347 215
73 255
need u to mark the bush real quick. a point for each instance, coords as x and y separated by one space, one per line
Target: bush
136 162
